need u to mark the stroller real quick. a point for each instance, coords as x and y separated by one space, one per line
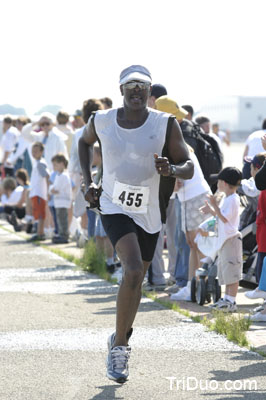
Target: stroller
248 230
205 286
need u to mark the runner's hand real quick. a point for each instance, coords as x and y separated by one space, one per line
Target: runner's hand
162 165
91 194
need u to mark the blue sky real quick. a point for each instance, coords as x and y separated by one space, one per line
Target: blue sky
63 52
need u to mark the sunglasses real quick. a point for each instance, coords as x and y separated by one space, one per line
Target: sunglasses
133 85
45 124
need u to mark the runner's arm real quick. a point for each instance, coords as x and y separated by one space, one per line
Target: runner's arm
183 166
85 148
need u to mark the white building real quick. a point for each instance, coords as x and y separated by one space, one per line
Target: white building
240 114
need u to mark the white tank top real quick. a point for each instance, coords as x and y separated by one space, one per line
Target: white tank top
130 181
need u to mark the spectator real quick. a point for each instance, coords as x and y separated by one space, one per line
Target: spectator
21 157
223 135
166 104
78 121
205 125
192 194
190 111
260 178
52 139
107 103
12 198
103 243
8 143
62 119
229 239
157 90
38 189
25 203
249 189
62 191
253 147
87 216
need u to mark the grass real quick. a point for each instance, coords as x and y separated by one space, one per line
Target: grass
229 325
93 261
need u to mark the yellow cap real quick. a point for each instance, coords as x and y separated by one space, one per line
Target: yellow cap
164 103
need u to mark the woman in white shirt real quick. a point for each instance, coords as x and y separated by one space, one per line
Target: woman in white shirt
192 194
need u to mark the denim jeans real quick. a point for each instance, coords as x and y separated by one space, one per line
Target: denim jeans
91 223
183 250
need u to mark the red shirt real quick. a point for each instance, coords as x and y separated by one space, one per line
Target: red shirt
261 222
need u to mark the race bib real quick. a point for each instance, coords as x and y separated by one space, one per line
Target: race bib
131 198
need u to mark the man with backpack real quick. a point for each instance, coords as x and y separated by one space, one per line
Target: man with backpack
205 147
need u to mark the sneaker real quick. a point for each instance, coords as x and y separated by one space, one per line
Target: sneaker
227 306
111 339
259 308
29 227
59 240
36 238
183 294
258 317
117 363
256 294
173 289
215 305
110 268
149 287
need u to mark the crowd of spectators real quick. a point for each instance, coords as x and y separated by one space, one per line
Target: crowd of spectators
41 193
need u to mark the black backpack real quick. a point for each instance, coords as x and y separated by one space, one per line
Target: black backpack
205 147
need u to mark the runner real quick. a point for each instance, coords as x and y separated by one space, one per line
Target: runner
132 139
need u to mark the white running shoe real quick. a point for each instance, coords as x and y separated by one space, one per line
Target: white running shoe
256 294
183 294
258 317
117 363
226 306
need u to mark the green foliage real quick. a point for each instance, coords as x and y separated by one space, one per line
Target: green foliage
93 261
232 327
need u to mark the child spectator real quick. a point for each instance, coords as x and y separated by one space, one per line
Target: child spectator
229 238
248 187
38 189
22 180
11 198
62 191
8 142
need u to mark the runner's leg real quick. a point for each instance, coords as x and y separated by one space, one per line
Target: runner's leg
129 294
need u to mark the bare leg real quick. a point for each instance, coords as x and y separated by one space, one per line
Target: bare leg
231 290
194 262
40 226
129 294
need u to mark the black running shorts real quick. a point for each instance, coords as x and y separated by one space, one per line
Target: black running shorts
118 225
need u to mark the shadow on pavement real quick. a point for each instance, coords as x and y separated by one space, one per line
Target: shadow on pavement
108 393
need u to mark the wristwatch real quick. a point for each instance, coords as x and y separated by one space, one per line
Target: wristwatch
173 171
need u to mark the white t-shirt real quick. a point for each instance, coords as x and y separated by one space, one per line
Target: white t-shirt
229 208
9 140
196 185
254 143
38 180
14 198
62 183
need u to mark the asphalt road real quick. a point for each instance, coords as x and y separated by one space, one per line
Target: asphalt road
54 323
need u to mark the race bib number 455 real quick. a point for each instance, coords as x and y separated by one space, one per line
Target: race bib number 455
131 198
